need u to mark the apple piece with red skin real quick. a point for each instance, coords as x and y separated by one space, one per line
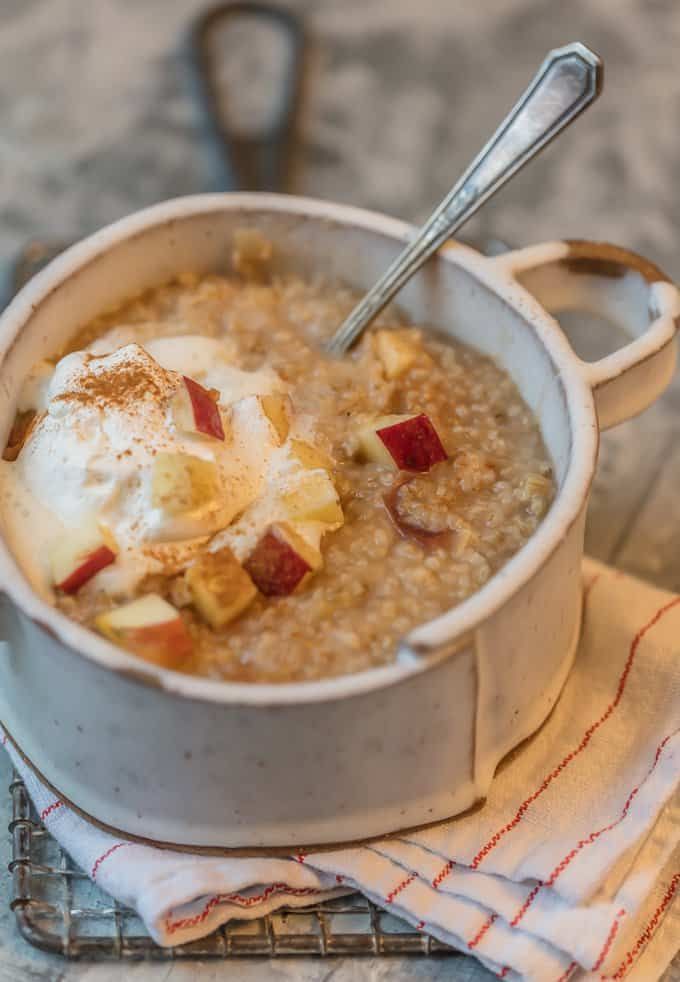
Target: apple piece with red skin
413 443
410 530
149 627
452 529
281 560
195 409
407 442
79 555
396 432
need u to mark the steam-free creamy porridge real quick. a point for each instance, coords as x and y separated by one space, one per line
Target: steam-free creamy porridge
197 481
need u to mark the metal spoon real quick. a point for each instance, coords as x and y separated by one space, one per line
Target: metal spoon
567 82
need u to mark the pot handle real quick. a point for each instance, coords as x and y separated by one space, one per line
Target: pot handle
622 287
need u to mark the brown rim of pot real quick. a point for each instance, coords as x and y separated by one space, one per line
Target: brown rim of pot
604 259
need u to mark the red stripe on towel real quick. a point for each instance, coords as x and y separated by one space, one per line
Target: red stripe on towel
648 932
526 905
105 855
400 886
482 931
613 930
585 740
242 901
46 812
442 874
592 837
567 972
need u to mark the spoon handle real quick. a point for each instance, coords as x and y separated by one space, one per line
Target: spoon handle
567 82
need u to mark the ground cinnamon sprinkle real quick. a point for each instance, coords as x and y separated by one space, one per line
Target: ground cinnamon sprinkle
121 384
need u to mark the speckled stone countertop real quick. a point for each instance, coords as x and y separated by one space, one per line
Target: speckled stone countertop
97 121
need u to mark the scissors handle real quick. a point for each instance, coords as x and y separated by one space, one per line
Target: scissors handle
238 50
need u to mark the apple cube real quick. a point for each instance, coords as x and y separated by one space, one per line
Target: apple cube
278 409
308 456
251 251
150 627
195 409
21 429
281 560
396 352
79 555
369 445
314 499
181 483
407 442
413 443
219 586
271 414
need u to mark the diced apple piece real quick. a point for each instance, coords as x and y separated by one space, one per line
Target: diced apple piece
150 627
21 428
314 500
437 524
370 446
308 456
408 442
195 409
278 409
181 483
271 414
251 250
413 443
183 411
396 352
220 588
281 560
79 555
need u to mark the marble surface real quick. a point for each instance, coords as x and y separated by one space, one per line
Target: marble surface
98 120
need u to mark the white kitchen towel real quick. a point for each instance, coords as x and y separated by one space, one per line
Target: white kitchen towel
571 870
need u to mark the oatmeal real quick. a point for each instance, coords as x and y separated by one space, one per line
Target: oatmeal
214 493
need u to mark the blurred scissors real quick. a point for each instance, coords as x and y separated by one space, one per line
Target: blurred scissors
247 61
246 64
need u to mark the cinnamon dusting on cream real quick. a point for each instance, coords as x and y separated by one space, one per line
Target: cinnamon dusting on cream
120 381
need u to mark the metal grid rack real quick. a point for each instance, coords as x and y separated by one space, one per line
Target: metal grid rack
60 910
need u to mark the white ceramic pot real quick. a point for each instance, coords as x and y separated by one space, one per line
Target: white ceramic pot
185 760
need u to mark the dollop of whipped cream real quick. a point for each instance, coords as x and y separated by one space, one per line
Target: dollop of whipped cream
105 414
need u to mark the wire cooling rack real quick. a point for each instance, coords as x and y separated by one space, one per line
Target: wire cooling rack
60 910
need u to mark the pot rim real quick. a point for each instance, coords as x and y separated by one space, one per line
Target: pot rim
440 633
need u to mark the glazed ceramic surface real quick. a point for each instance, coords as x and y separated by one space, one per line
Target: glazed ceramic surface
189 761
